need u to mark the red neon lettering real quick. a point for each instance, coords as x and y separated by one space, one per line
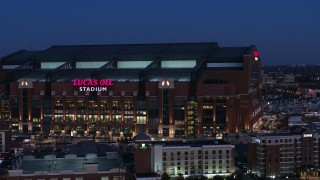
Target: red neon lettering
101 82
109 82
75 82
95 82
84 82
92 82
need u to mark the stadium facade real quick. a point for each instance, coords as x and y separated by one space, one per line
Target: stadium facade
164 90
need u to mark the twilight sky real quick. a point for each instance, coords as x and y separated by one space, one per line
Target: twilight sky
284 31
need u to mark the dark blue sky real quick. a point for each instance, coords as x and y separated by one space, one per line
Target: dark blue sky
284 31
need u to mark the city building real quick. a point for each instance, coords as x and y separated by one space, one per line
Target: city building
187 158
282 154
5 137
164 90
70 167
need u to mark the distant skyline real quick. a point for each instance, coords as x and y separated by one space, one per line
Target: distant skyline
285 32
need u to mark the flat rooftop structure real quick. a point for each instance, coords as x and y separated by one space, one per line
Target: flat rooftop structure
147 61
191 143
58 165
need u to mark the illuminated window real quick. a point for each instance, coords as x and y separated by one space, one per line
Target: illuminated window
141 120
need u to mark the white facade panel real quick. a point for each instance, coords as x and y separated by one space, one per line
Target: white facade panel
224 65
10 66
90 65
51 65
157 159
179 64
133 64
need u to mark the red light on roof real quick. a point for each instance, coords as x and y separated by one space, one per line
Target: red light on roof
255 53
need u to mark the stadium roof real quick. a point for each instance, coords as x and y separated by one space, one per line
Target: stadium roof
18 57
127 51
153 61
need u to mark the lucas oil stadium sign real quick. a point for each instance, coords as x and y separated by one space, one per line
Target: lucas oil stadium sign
92 84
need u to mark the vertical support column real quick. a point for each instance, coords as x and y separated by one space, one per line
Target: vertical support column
20 112
147 114
75 107
186 117
53 99
160 105
214 114
134 126
87 112
110 115
41 103
99 123
64 104
200 116
122 99
230 115
30 122
171 113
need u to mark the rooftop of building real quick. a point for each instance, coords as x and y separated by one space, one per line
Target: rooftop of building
60 164
282 134
142 137
100 61
191 143
147 175
131 51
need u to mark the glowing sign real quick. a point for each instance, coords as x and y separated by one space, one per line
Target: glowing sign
307 135
143 146
92 84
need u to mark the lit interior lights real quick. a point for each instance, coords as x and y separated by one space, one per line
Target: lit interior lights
143 146
256 55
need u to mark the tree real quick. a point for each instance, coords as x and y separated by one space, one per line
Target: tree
202 178
180 177
165 176
239 176
218 177
237 137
